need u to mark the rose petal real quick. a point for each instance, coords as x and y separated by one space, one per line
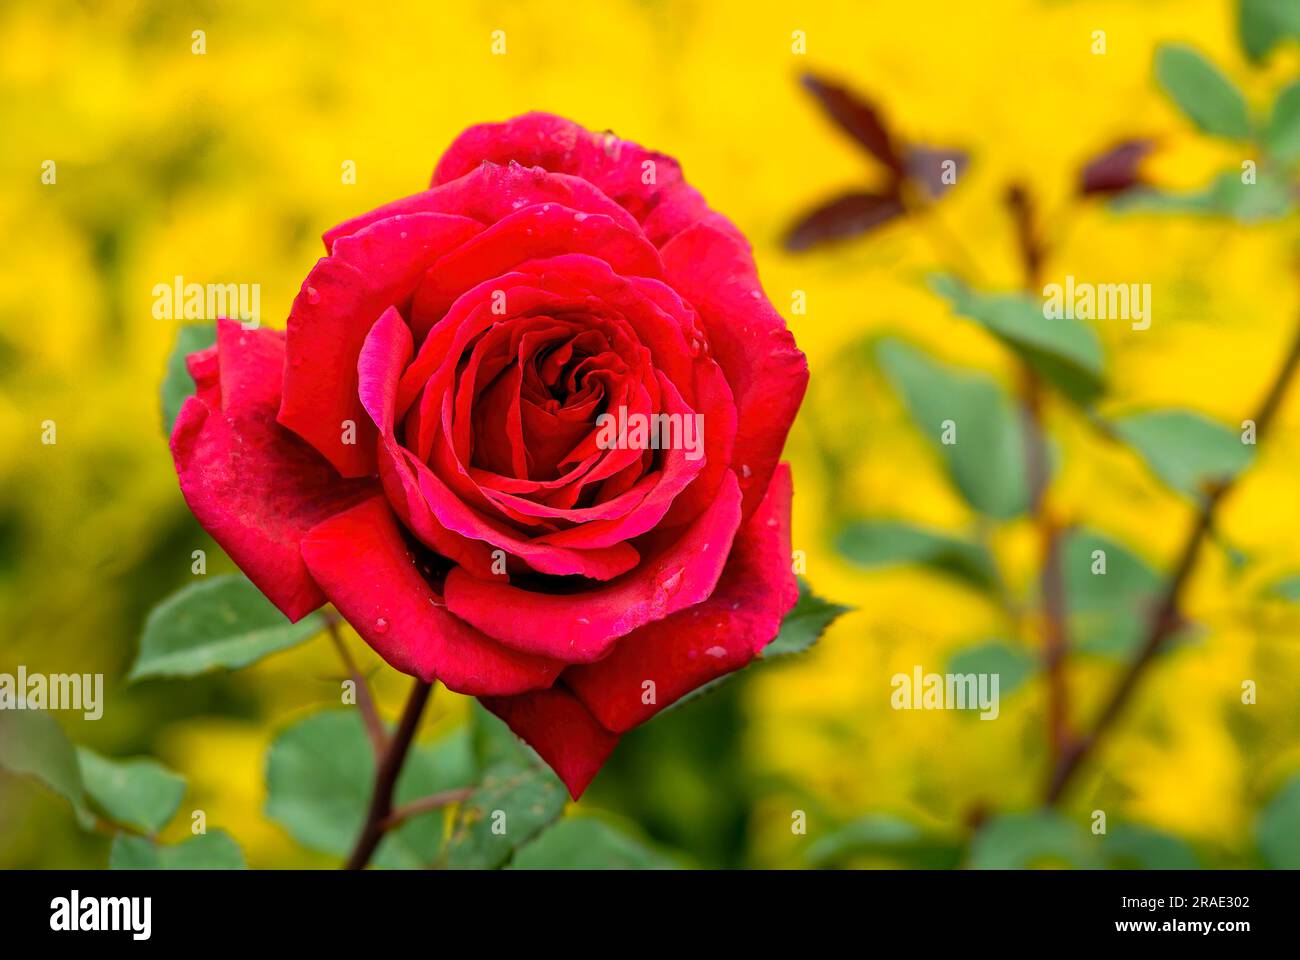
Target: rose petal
665 206
368 271
383 357
562 732
706 641
487 192
581 627
366 570
532 233
768 374
253 485
434 511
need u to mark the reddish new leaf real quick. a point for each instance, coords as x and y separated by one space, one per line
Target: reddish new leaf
845 216
858 118
928 168
1116 170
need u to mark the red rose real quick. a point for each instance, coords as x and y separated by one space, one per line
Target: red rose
422 446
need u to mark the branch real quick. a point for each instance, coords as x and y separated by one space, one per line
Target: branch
1167 618
1051 578
427 804
365 702
386 771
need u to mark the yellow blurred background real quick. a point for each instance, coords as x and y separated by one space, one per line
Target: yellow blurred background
226 167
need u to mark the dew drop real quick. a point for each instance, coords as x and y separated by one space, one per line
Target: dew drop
580 217
745 472
402 235
313 295
583 620
716 652
672 582
381 625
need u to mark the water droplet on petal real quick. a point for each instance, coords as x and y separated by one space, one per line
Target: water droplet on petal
672 582
580 216
716 651
583 620
381 625
402 234
745 472
313 295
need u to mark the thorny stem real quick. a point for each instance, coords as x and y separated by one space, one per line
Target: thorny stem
388 766
365 701
1166 617
1052 577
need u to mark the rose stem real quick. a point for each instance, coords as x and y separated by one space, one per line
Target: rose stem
365 702
386 771
1051 582
1166 617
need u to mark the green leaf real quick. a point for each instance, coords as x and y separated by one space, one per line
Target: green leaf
492 742
801 628
177 383
1011 664
1202 92
216 850
33 744
1268 198
1262 23
1020 841
987 461
1108 612
1184 449
221 621
804 625
1283 136
1286 588
885 837
1278 829
512 804
140 793
1065 352
320 772
878 543
585 843
1131 846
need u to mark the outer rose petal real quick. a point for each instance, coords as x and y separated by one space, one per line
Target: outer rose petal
251 483
562 732
708 640
768 374
489 192
534 233
581 627
367 272
618 167
363 565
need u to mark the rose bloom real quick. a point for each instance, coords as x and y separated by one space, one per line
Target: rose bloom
420 446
